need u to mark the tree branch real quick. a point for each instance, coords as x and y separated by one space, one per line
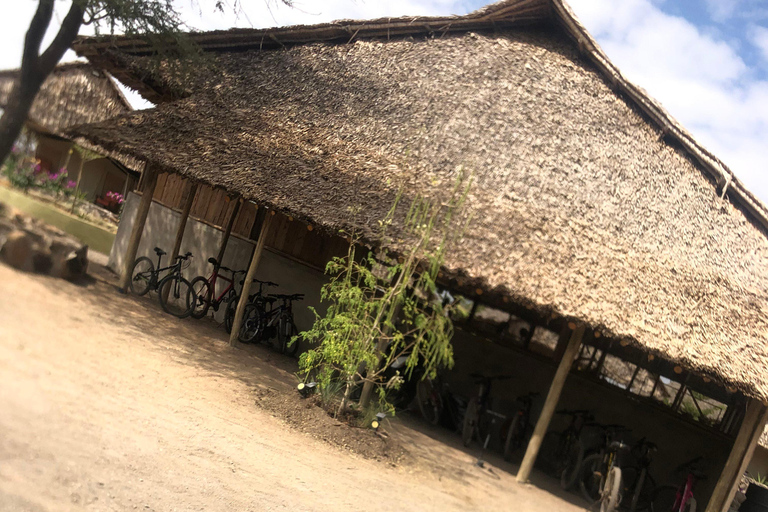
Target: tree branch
37 28
70 26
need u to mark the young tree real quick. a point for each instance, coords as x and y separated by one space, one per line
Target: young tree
131 17
382 308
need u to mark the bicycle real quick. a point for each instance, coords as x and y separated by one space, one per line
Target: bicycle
144 276
637 479
264 324
564 451
669 498
204 288
234 299
438 405
601 480
518 428
479 418
173 290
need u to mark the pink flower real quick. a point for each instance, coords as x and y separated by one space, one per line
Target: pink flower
15 149
36 169
71 184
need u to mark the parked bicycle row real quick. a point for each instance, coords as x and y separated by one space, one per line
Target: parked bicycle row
267 316
588 457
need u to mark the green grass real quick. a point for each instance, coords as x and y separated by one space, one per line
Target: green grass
97 238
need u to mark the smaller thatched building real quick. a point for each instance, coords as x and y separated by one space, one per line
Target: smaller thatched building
77 93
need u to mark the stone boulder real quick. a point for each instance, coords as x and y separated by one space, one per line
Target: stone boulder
33 246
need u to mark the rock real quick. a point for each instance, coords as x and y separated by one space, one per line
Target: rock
33 246
17 251
69 258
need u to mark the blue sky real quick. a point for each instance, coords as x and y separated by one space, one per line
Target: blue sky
706 61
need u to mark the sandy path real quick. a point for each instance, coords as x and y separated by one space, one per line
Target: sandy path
108 404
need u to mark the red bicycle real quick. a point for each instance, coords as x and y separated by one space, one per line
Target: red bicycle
203 291
669 498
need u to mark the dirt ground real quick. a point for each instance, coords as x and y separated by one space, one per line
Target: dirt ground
106 403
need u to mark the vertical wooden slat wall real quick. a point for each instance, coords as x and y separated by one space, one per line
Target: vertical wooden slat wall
288 236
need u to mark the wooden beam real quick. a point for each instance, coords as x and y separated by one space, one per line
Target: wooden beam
181 228
245 292
749 434
228 230
77 186
542 425
150 179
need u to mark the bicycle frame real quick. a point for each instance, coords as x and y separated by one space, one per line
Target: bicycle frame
684 494
215 276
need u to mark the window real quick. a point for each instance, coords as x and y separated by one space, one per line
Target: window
544 342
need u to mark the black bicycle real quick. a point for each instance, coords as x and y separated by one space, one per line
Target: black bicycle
517 433
234 299
173 290
262 321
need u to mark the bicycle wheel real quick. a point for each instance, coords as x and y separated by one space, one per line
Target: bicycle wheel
175 296
202 295
592 478
471 415
141 275
509 442
573 456
611 495
252 324
430 403
629 479
229 313
664 499
286 332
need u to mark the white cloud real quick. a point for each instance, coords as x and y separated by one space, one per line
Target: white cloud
759 37
701 80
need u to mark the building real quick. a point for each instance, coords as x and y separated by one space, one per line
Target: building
77 93
598 223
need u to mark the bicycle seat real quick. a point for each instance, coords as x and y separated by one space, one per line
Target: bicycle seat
268 299
160 252
618 446
213 261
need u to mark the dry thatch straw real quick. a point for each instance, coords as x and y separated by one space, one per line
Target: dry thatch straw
588 204
75 93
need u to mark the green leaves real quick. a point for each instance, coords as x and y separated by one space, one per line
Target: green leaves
382 307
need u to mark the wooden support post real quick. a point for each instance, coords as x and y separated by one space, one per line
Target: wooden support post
228 231
77 187
150 181
181 228
542 425
245 292
751 429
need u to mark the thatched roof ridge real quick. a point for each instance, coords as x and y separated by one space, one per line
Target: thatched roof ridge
581 207
74 93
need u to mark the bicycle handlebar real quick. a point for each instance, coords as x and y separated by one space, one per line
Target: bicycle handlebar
295 296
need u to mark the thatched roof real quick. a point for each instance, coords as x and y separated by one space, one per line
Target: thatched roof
589 201
75 93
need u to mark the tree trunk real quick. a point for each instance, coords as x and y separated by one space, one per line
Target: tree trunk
36 68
